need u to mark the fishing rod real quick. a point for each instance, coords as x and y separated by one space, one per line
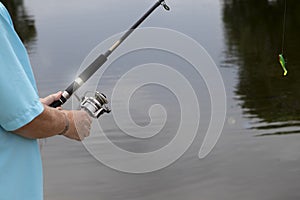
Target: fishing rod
96 105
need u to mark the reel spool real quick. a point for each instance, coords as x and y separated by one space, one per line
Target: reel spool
95 106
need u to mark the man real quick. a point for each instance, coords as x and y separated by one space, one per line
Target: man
24 118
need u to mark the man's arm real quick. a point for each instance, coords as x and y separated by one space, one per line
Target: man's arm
53 121
21 111
49 123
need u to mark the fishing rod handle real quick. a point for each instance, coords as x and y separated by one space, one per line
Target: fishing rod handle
59 102
80 80
56 104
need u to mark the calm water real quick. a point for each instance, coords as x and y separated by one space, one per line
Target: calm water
257 156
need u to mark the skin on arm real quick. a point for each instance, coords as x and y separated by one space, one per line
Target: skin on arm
53 121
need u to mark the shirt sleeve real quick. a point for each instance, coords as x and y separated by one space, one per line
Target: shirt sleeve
19 101
4 13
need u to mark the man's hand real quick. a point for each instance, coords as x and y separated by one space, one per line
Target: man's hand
79 121
53 121
80 124
51 98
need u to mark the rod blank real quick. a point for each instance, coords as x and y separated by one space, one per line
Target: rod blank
96 64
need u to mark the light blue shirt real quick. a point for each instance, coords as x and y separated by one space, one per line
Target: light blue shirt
20 159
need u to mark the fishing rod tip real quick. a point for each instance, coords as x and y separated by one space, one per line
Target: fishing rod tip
166 7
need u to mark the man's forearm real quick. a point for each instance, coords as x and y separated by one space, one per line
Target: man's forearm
49 123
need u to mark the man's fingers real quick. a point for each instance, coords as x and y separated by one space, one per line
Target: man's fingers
89 119
57 96
88 129
80 125
59 108
51 98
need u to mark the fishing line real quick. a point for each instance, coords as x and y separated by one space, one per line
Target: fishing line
281 56
284 27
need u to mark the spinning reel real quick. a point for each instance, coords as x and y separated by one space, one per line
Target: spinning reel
96 105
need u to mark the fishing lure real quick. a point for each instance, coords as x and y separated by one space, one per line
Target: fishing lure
283 64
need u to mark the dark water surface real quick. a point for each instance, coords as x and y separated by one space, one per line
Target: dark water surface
257 156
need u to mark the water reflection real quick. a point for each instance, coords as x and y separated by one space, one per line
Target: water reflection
253 31
23 22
